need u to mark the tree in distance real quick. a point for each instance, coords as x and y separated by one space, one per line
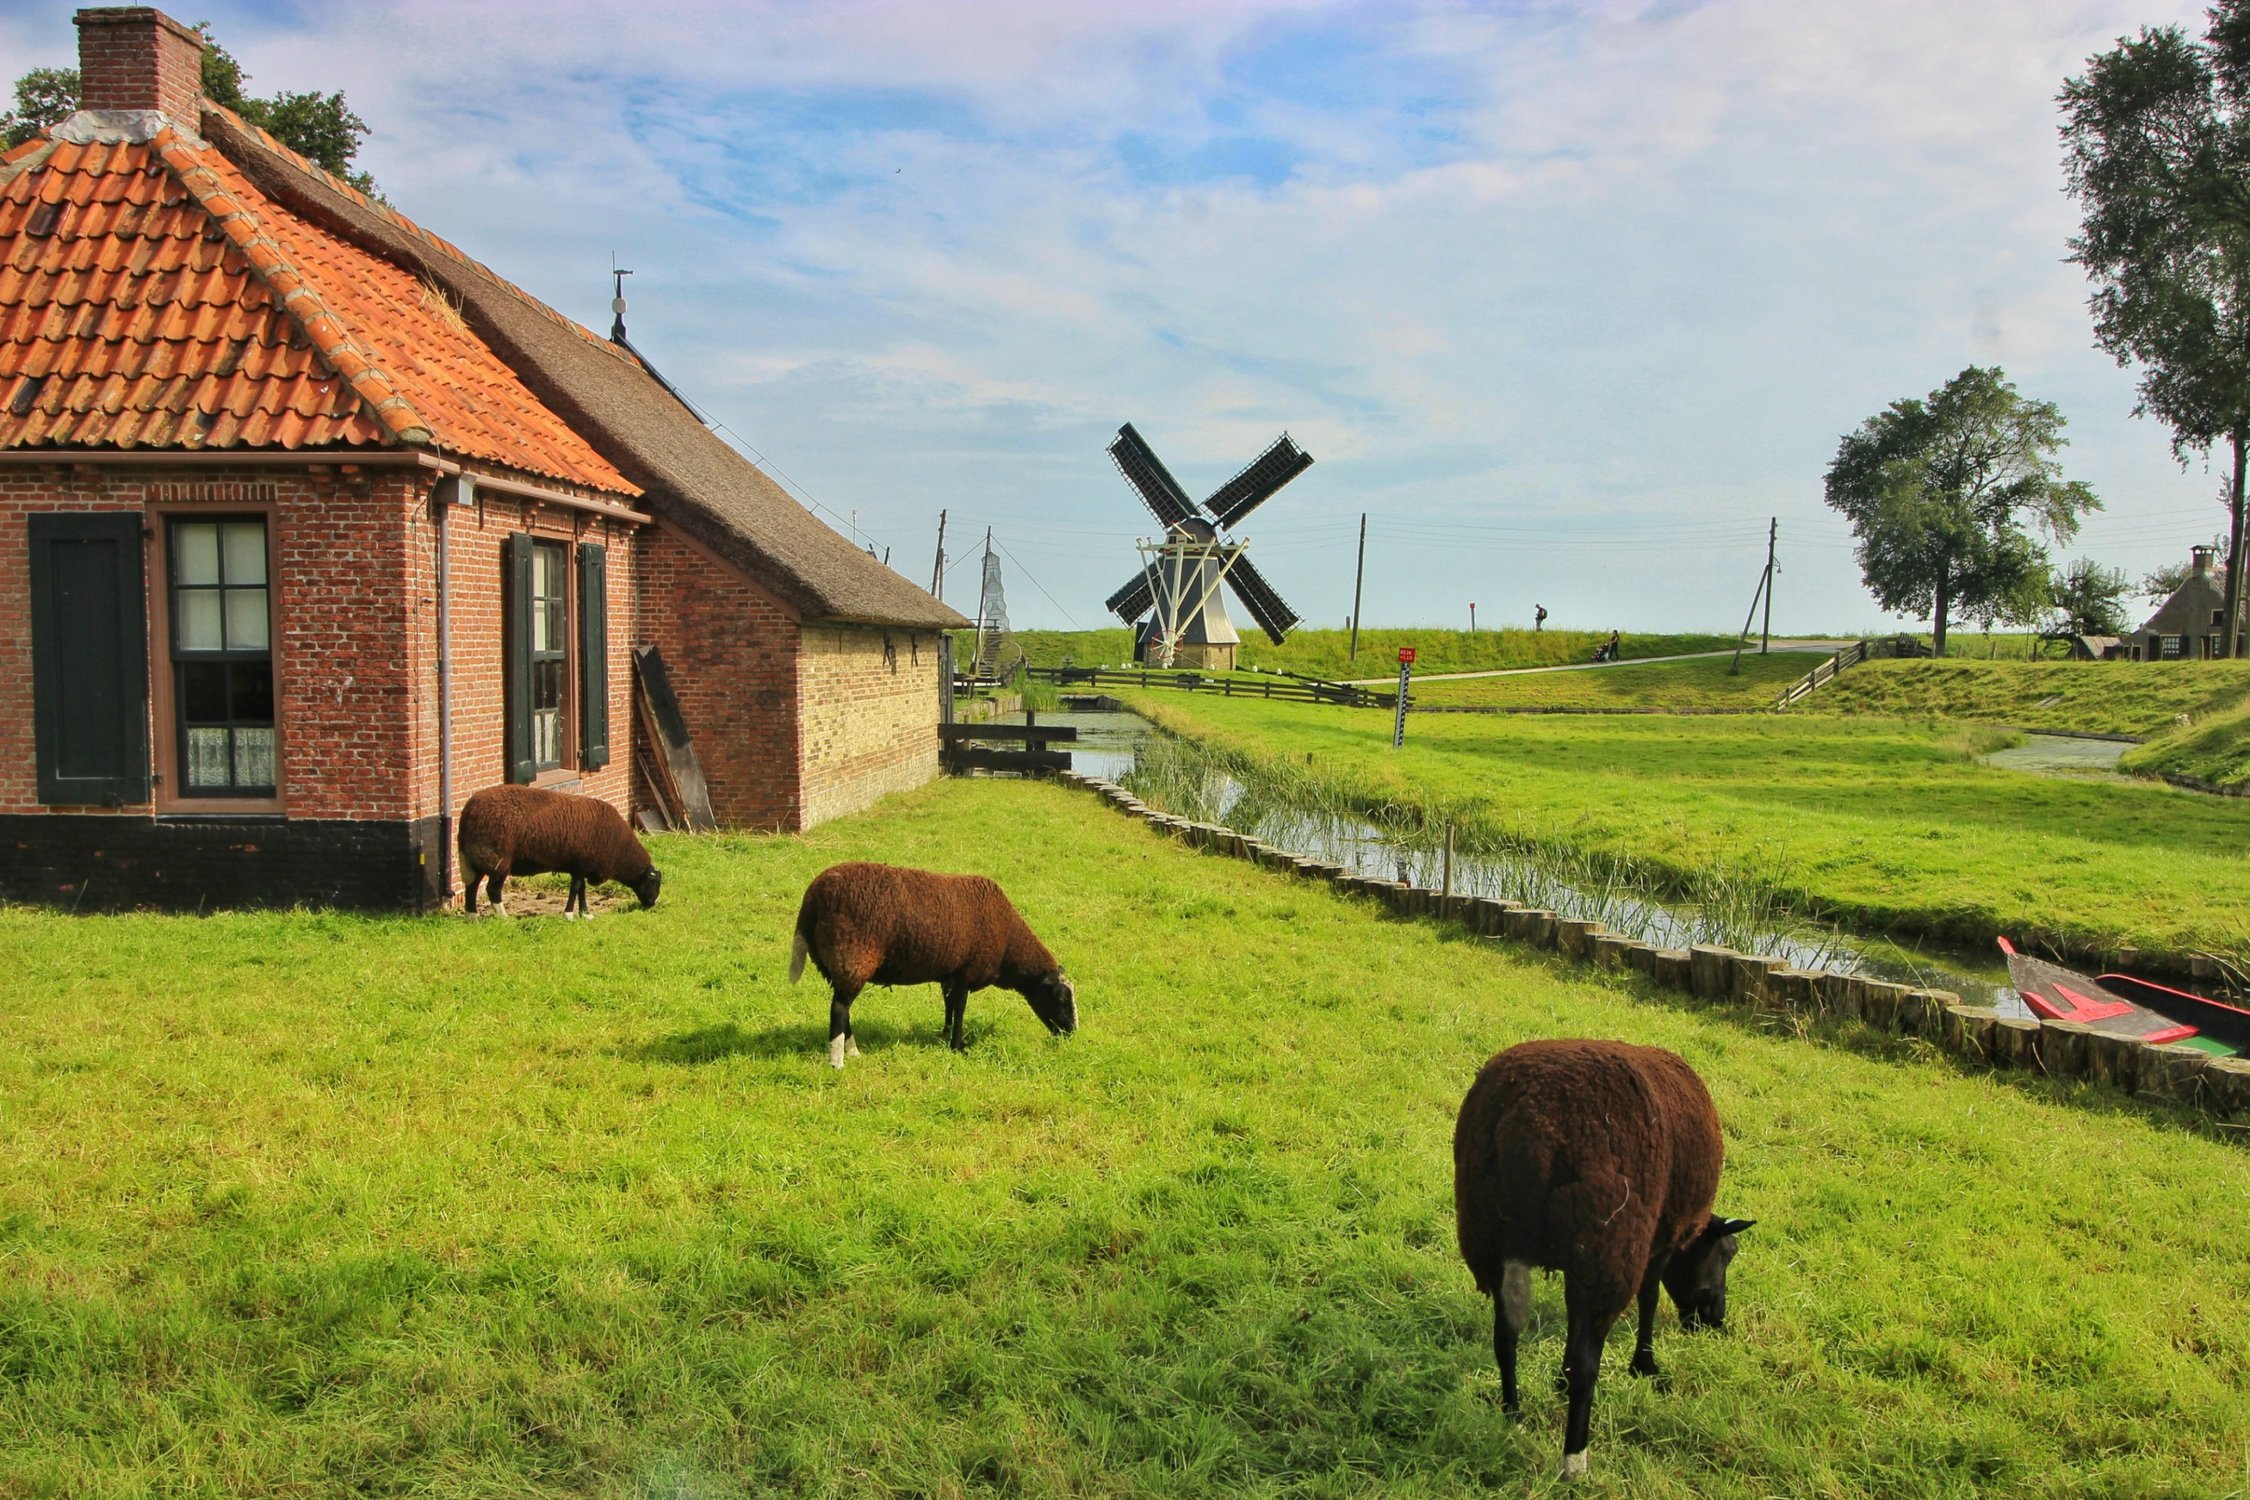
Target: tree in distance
2089 599
319 127
1940 492
2156 139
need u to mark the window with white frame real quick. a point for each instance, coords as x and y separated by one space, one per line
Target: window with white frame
222 656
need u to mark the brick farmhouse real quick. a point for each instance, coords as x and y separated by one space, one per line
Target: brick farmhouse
310 526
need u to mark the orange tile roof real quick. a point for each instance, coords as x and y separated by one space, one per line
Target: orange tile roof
151 297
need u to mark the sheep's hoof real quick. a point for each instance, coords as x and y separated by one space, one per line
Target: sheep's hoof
1644 1365
851 1046
836 1053
1574 1465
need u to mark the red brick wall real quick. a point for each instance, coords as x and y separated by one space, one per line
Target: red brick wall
730 649
870 700
475 536
354 568
139 58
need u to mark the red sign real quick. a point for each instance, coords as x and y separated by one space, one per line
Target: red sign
1406 656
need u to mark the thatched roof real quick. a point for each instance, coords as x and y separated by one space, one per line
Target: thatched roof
2193 609
693 479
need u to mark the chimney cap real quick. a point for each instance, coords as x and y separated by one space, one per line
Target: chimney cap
136 15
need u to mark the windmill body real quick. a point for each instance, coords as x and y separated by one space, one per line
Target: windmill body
1182 571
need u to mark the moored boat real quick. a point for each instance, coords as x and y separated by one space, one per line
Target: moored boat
2125 1006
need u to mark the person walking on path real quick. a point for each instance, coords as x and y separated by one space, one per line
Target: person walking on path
1539 617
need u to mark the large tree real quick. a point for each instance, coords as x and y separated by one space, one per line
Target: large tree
2156 141
319 127
1945 495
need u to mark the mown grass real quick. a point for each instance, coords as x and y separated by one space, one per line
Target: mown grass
1327 653
1701 683
1891 827
2103 697
309 1204
2214 750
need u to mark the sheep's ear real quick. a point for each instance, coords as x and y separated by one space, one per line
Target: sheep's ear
1730 1226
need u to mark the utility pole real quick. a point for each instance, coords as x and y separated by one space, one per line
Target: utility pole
1472 617
937 569
1359 576
1765 636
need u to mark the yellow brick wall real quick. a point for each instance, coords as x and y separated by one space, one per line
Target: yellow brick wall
868 701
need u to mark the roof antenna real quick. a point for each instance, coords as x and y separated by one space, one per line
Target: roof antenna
617 303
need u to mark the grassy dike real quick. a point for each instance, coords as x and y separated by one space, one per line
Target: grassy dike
1891 825
2119 697
309 1204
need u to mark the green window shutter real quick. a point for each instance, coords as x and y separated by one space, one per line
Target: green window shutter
89 659
516 603
593 656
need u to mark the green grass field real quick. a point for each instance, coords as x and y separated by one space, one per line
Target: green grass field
2214 750
319 1205
1894 827
2113 697
1326 653
1701 683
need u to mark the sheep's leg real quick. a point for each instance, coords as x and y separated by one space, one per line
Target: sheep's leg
577 896
1592 1315
1511 1313
1644 1341
956 1011
840 1044
469 892
496 886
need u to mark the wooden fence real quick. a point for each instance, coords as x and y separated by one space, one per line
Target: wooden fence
1803 687
1288 689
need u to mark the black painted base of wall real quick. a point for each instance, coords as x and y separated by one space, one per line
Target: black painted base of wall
93 862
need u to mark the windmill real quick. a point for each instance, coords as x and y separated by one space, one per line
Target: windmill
1178 585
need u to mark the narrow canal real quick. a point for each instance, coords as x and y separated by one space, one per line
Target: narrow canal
1120 747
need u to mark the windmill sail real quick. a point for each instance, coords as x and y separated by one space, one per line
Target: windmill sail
1266 607
1132 601
1258 481
1146 473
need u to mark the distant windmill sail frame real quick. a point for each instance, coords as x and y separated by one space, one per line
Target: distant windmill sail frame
1163 582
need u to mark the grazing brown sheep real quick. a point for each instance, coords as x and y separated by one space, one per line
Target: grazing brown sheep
1598 1160
521 830
865 924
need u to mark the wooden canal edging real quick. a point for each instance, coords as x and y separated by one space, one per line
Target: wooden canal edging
2217 1087
972 747
1851 656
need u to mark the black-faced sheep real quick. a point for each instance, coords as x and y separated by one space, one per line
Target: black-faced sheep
1598 1160
865 924
521 830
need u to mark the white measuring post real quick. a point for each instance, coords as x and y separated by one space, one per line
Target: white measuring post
1405 672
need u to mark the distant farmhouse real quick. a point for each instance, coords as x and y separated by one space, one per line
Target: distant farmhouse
310 526
2189 627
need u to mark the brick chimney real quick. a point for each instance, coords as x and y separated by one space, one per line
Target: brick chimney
138 58
2199 559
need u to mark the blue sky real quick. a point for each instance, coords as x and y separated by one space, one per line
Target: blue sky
1569 299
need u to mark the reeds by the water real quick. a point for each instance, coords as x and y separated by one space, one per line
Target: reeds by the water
1736 899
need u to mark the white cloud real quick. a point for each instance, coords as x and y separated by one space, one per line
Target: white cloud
1618 275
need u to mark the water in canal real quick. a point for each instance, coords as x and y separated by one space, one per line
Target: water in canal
1109 746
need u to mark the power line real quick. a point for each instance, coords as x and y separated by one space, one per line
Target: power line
1035 583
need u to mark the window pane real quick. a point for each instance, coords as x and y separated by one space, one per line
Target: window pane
253 757
246 619
546 684
251 701
207 760
542 628
195 552
199 620
246 551
547 736
203 692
